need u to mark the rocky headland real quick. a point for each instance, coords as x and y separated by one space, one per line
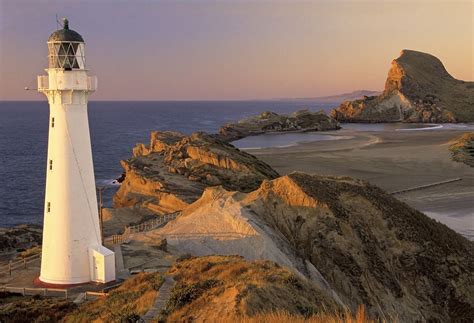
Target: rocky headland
418 89
174 169
267 122
352 240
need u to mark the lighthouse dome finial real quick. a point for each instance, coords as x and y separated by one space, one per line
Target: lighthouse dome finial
65 23
65 34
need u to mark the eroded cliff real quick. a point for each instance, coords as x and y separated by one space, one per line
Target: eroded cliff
174 170
369 247
418 89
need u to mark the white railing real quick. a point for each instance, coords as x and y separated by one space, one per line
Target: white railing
43 82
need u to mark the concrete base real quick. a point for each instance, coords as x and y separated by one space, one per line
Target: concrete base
39 283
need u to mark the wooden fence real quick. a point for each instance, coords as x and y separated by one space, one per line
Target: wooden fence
30 291
142 227
19 264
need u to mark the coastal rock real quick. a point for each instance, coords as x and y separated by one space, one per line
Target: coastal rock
302 120
20 237
462 149
174 170
418 89
367 246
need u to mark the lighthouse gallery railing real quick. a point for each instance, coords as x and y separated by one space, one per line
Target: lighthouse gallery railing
43 84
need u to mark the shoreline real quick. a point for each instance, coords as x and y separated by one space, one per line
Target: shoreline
394 161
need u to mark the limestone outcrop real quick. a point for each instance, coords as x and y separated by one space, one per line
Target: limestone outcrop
418 89
302 120
174 170
369 247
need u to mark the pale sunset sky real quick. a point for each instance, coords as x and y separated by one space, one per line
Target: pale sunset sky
224 50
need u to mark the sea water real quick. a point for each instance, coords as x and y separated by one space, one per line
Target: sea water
115 128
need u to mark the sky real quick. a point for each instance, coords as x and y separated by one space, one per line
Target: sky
233 50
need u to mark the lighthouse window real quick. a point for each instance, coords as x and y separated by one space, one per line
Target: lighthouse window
50 164
48 207
52 122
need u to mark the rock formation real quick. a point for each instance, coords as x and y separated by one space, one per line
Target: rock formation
20 237
462 149
174 169
303 120
371 248
418 89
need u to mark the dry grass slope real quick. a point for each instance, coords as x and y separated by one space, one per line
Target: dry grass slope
124 304
16 308
228 288
285 317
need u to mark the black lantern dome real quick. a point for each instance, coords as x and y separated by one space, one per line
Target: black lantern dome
66 49
65 34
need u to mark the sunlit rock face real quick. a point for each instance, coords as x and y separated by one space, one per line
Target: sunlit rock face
353 240
418 89
174 170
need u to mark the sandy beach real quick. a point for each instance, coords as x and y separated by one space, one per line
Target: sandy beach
392 160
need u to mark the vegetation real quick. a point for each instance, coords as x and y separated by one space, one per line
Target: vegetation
285 317
228 288
124 304
462 149
17 308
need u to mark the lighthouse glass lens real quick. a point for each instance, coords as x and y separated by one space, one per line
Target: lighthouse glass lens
66 55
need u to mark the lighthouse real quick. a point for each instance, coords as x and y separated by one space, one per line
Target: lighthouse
72 251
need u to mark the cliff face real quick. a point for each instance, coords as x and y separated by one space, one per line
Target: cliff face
303 120
418 89
174 169
365 246
372 248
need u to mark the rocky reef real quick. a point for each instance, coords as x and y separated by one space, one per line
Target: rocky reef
418 89
174 170
302 120
20 237
462 149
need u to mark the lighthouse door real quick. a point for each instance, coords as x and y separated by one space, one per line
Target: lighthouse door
98 268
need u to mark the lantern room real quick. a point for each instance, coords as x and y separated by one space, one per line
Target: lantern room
66 49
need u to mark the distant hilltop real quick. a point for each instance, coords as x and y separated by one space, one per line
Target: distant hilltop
418 89
337 98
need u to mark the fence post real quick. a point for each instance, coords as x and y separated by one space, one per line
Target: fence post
24 291
10 267
24 262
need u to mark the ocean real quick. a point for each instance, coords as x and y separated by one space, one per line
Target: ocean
115 128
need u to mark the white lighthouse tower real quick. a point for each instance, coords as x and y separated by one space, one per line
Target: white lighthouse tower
72 250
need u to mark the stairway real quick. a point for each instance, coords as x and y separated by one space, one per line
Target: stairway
161 300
